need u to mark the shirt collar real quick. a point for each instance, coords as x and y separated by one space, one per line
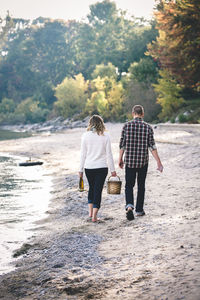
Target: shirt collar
137 119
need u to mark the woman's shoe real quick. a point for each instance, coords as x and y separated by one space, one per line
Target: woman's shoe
140 213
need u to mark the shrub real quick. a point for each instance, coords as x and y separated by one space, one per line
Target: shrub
71 96
7 106
29 111
182 118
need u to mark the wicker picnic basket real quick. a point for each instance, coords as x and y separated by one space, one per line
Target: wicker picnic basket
114 186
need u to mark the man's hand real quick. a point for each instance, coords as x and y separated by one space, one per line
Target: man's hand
121 163
114 174
80 174
157 158
160 167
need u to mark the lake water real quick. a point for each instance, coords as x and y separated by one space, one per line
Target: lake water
24 199
8 135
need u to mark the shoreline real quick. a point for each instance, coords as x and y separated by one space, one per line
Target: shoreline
37 183
153 257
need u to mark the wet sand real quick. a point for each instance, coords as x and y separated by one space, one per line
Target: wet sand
151 257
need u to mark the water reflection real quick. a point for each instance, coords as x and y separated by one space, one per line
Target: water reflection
24 198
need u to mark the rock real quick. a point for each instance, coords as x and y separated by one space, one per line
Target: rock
77 124
67 121
23 250
57 120
47 128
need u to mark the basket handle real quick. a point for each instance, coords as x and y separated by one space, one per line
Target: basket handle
114 176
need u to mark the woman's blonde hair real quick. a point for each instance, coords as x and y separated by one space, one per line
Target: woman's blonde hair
96 123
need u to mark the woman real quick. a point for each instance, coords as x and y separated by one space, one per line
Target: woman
95 152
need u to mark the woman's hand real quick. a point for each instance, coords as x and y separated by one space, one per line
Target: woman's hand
114 174
80 174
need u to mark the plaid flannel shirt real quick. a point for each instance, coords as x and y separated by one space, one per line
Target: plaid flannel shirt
136 138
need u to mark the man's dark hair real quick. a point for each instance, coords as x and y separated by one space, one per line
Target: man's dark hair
138 109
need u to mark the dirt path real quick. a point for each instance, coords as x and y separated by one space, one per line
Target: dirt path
152 257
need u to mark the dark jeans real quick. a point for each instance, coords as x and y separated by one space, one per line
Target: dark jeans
130 176
96 179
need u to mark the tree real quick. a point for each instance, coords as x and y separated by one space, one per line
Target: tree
7 106
178 46
49 51
71 96
137 39
144 71
111 37
5 27
102 12
106 99
138 85
144 94
99 41
169 94
28 111
103 70
38 55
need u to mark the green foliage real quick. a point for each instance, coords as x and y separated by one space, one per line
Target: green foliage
105 71
29 111
182 118
6 25
71 96
45 96
177 51
139 89
42 59
97 103
102 12
169 94
136 42
143 94
144 71
7 106
106 99
191 110
110 37
37 55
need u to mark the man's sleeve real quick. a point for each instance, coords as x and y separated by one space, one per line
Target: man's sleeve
122 143
151 141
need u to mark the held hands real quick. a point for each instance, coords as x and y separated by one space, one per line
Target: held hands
80 174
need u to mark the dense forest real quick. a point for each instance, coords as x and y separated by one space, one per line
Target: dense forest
102 65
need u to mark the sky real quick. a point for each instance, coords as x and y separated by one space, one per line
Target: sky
69 9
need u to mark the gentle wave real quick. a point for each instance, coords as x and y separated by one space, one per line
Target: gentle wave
24 199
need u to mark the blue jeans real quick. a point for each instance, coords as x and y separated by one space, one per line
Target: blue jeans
130 176
96 179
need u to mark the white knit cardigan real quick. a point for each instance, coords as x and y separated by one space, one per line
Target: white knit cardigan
96 151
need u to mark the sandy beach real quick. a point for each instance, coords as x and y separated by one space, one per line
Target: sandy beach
156 256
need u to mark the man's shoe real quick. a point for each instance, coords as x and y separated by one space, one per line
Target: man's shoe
130 215
140 213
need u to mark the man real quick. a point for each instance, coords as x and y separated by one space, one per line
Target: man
136 138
